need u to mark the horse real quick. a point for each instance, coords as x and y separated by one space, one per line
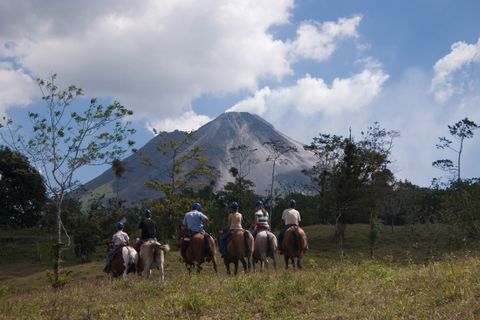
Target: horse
239 248
124 260
152 252
265 247
198 248
294 246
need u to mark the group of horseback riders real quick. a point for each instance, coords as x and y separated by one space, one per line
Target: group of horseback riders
194 223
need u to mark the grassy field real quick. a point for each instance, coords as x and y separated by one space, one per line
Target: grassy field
416 274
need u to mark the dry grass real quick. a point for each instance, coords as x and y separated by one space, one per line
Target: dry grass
404 282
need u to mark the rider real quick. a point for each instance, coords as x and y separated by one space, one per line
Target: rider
193 222
290 217
147 229
261 218
119 239
234 223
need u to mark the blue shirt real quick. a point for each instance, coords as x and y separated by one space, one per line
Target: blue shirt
194 220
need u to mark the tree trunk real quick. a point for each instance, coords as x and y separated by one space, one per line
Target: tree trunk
57 248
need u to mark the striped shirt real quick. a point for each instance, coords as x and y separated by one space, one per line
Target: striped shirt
262 218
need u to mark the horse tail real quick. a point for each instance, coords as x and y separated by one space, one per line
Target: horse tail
248 243
165 248
271 243
296 241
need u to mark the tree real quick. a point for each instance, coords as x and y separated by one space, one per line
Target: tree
22 191
63 140
242 161
353 176
118 168
278 150
188 171
460 131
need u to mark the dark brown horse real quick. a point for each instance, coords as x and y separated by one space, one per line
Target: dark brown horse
197 249
294 246
239 248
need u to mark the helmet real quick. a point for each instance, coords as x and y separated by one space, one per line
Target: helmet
234 205
293 203
259 203
147 213
120 225
197 206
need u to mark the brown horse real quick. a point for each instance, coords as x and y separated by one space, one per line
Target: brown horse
264 248
198 248
123 261
152 252
239 248
294 246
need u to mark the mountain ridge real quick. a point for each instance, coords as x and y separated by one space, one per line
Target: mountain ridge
216 137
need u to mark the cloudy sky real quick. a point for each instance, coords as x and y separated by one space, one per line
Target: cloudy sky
306 66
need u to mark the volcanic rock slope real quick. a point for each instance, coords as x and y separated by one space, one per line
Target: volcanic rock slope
229 130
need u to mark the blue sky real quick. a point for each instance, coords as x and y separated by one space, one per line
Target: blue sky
307 66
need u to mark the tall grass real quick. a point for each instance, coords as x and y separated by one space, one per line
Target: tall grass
412 277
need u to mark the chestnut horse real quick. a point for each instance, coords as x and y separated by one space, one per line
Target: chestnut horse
123 261
294 246
239 248
152 252
264 248
200 247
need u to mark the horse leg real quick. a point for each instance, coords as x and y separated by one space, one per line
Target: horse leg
214 263
286 260
299 263
110 277
245 264
199 267
236 266
227 266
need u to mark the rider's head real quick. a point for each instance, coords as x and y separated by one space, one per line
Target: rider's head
234 206
120 226
293 203
147 213
197 206
259 204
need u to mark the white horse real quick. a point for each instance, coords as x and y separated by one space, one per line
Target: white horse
265 247
123 262
152 252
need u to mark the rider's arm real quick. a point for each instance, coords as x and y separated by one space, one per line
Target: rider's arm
229 220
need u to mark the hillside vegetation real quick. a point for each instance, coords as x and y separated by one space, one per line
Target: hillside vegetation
416 274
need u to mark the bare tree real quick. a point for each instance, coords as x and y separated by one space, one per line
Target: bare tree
278 151
460 131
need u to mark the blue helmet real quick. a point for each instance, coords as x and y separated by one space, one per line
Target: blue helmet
259 203
234 205
293 203
197 206
147 213
120 225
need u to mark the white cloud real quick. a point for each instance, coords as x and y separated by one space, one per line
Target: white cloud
318 41
461 55
154 57
16 88
188 121
157 57
312 95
